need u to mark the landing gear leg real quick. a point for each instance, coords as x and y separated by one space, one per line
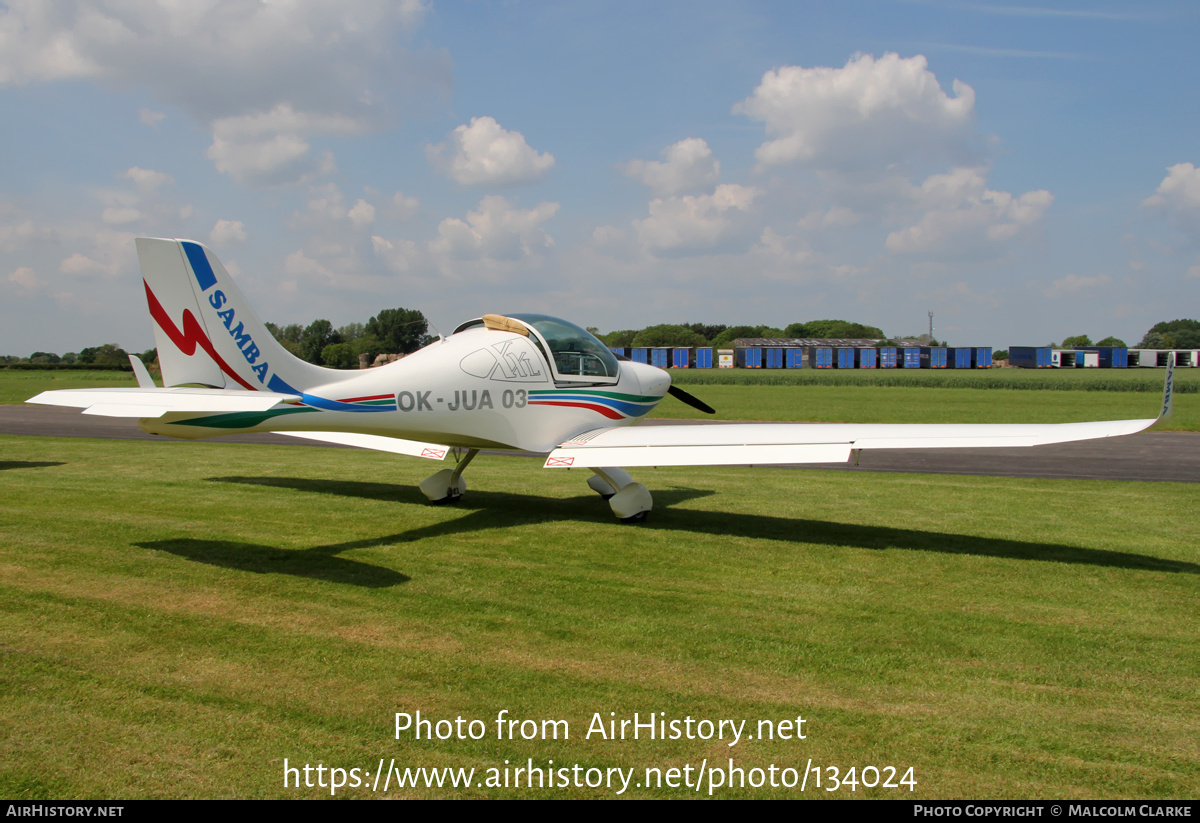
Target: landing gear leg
629 501
447 486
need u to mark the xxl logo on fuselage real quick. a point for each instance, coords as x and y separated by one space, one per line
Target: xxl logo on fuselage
510 361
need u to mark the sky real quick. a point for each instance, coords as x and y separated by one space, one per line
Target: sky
1025 172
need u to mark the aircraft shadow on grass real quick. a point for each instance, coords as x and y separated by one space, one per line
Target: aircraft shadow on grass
317 563
5 465
497 510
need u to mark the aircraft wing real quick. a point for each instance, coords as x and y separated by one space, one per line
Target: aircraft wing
720 444
147 402
739 444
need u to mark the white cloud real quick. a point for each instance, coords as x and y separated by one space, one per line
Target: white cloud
326 203
299 264
403 207
326 208
495 230
398 255
16 235
1179 194
784 248
226 232
270 148
484 153
965 218
25 278
150 118
1073 284
265 75
112 254
147 180
869 114
694 222
833 218
362 214
117 216
211 56
686 165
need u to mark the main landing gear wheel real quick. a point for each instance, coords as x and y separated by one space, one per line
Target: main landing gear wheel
443 487
447 486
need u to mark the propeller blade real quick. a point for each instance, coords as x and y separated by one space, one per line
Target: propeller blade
694 402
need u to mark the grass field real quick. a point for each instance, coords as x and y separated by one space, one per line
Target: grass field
179 618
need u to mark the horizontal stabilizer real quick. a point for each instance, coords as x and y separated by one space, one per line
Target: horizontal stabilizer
395 445
157 402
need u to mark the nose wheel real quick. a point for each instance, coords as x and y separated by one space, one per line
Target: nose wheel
629 501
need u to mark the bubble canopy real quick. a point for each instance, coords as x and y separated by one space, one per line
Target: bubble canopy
574 353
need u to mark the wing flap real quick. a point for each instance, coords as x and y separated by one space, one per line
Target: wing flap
744 455
395 445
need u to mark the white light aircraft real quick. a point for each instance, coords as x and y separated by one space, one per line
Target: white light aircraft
523 382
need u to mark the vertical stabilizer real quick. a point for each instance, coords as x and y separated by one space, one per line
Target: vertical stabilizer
206 331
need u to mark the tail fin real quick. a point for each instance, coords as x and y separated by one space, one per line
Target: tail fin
206 331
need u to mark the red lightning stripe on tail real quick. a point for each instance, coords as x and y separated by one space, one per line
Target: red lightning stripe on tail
191 336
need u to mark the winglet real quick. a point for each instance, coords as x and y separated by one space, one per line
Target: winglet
1168 388
145 381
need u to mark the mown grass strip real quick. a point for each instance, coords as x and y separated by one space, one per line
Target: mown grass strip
179 618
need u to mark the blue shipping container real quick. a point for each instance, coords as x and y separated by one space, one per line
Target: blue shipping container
887 357
795 358
958 358
866 358
659 358
982 357
933 357
704 358
910 358
820 357
619 351
774 358
748 358
1030 357
681 358
844 358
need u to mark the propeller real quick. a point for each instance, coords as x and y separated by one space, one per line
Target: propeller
691 400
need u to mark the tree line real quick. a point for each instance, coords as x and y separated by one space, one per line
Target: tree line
401 331
1172 334
392 331
708 334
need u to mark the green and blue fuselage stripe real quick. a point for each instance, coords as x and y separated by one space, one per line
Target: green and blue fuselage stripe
630 405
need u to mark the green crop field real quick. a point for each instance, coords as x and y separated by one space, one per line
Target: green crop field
180 619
